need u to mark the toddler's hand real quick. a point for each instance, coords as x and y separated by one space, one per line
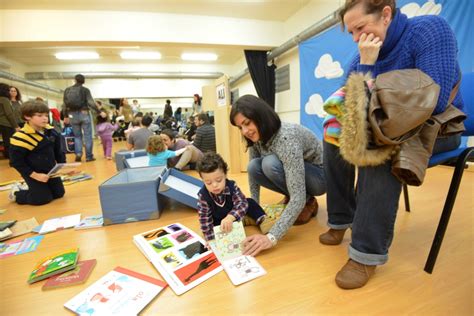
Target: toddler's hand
41 177
226 223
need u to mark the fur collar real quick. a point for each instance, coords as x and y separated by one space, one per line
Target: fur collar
354 139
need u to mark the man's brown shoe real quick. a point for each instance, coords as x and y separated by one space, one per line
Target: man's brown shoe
332 236
354 275
309 210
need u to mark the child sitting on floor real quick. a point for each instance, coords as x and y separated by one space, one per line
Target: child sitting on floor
105 129
158 152
221 202
34 151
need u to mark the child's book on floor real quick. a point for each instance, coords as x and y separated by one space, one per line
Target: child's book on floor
179 255
90 222
119 292
19 247
228 249
20 228
55 264
59 223
76 276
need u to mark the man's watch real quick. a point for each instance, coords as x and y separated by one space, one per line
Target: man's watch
272 239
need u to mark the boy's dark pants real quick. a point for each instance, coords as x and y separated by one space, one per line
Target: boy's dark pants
40 193
254 211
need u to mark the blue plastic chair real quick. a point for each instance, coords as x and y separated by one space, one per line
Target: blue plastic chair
458 156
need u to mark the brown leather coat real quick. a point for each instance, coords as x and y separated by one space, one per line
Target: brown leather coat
394 121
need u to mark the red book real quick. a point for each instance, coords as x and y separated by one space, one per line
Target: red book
77 276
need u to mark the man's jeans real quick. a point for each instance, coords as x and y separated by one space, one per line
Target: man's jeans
372 208
82 126
268 172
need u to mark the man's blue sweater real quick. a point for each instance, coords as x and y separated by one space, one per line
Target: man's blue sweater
426 43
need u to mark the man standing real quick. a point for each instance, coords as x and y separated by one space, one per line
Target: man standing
205 138
77 104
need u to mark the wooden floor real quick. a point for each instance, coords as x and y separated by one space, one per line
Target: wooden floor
301 271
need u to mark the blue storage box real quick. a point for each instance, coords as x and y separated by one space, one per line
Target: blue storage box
180 187
120 157
132 195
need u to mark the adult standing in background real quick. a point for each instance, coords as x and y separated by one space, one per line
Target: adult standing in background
15 99
8 122
126 111
285 158
387 40
135 107
77 103
196 104
168 111
205 137
177 115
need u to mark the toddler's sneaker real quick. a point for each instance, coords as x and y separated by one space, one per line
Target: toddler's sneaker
15 188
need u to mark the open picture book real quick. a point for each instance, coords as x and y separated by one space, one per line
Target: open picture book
119 292
228 249
179 255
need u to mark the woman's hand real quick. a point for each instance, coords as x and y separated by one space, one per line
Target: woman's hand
256 243
369 48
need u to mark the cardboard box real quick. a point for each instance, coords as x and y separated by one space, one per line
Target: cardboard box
132 195
180 187
120 157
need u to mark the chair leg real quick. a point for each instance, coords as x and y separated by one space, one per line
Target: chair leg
407 199
447 209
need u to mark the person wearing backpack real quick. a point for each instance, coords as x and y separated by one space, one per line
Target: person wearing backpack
78 102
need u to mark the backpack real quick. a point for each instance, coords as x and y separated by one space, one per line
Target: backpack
75 98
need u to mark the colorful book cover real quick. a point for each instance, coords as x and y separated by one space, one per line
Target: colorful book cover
179 255
59 223
90 222
229 244
119 292
228 249
14 248
55 264
78 275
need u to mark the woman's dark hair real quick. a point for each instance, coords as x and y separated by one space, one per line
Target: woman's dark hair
18 93
4 90
168 132
178 110
198 98
370 6
211 162
258 111
30 108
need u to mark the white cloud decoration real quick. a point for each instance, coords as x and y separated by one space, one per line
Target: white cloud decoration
314 106
412 9
327 68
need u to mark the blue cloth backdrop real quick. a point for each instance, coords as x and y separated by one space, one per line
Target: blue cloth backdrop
325 58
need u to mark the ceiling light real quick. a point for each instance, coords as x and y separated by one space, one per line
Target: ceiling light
199 56
140 55
77 55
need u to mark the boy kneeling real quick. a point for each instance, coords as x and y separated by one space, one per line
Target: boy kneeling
34 151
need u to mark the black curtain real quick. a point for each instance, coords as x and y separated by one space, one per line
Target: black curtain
263 76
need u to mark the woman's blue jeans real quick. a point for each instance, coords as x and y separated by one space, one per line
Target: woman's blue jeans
372 208
268 172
